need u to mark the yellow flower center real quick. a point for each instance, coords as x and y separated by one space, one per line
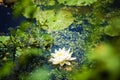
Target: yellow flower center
59 54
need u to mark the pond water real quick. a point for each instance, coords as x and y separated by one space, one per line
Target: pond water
8 20
38 50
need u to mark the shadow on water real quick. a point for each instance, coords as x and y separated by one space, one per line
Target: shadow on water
7 20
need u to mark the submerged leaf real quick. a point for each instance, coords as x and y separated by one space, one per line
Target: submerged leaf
39 74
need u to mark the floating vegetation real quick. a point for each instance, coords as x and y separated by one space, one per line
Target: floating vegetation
77 2
62 40
54 21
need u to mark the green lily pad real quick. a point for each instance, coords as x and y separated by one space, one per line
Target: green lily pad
52 21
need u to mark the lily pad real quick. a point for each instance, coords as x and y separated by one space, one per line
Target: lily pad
52 21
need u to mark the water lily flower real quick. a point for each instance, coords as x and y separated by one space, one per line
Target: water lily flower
61 57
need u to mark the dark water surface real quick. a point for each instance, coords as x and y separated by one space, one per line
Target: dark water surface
7 19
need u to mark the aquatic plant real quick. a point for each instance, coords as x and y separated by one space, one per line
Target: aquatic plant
89 28
77 2
61 57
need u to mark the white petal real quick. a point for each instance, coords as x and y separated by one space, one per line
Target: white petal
68 63
55 62
56 51
63 49
68 50
61 56
53 54
60 49
73 58
51 59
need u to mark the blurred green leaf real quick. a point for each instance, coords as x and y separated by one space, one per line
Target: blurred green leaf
29 11
24 26
106 60
113 29
45 2
20 33
4 38
26 8
6 69
81 75
28 51
39 74
77 2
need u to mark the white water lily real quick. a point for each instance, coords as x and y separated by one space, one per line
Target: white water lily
61 57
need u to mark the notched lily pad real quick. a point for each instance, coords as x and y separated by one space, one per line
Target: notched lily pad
52 21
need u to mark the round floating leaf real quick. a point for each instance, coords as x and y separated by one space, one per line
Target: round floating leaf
52 21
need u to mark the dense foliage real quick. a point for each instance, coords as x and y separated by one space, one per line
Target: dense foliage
90 28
